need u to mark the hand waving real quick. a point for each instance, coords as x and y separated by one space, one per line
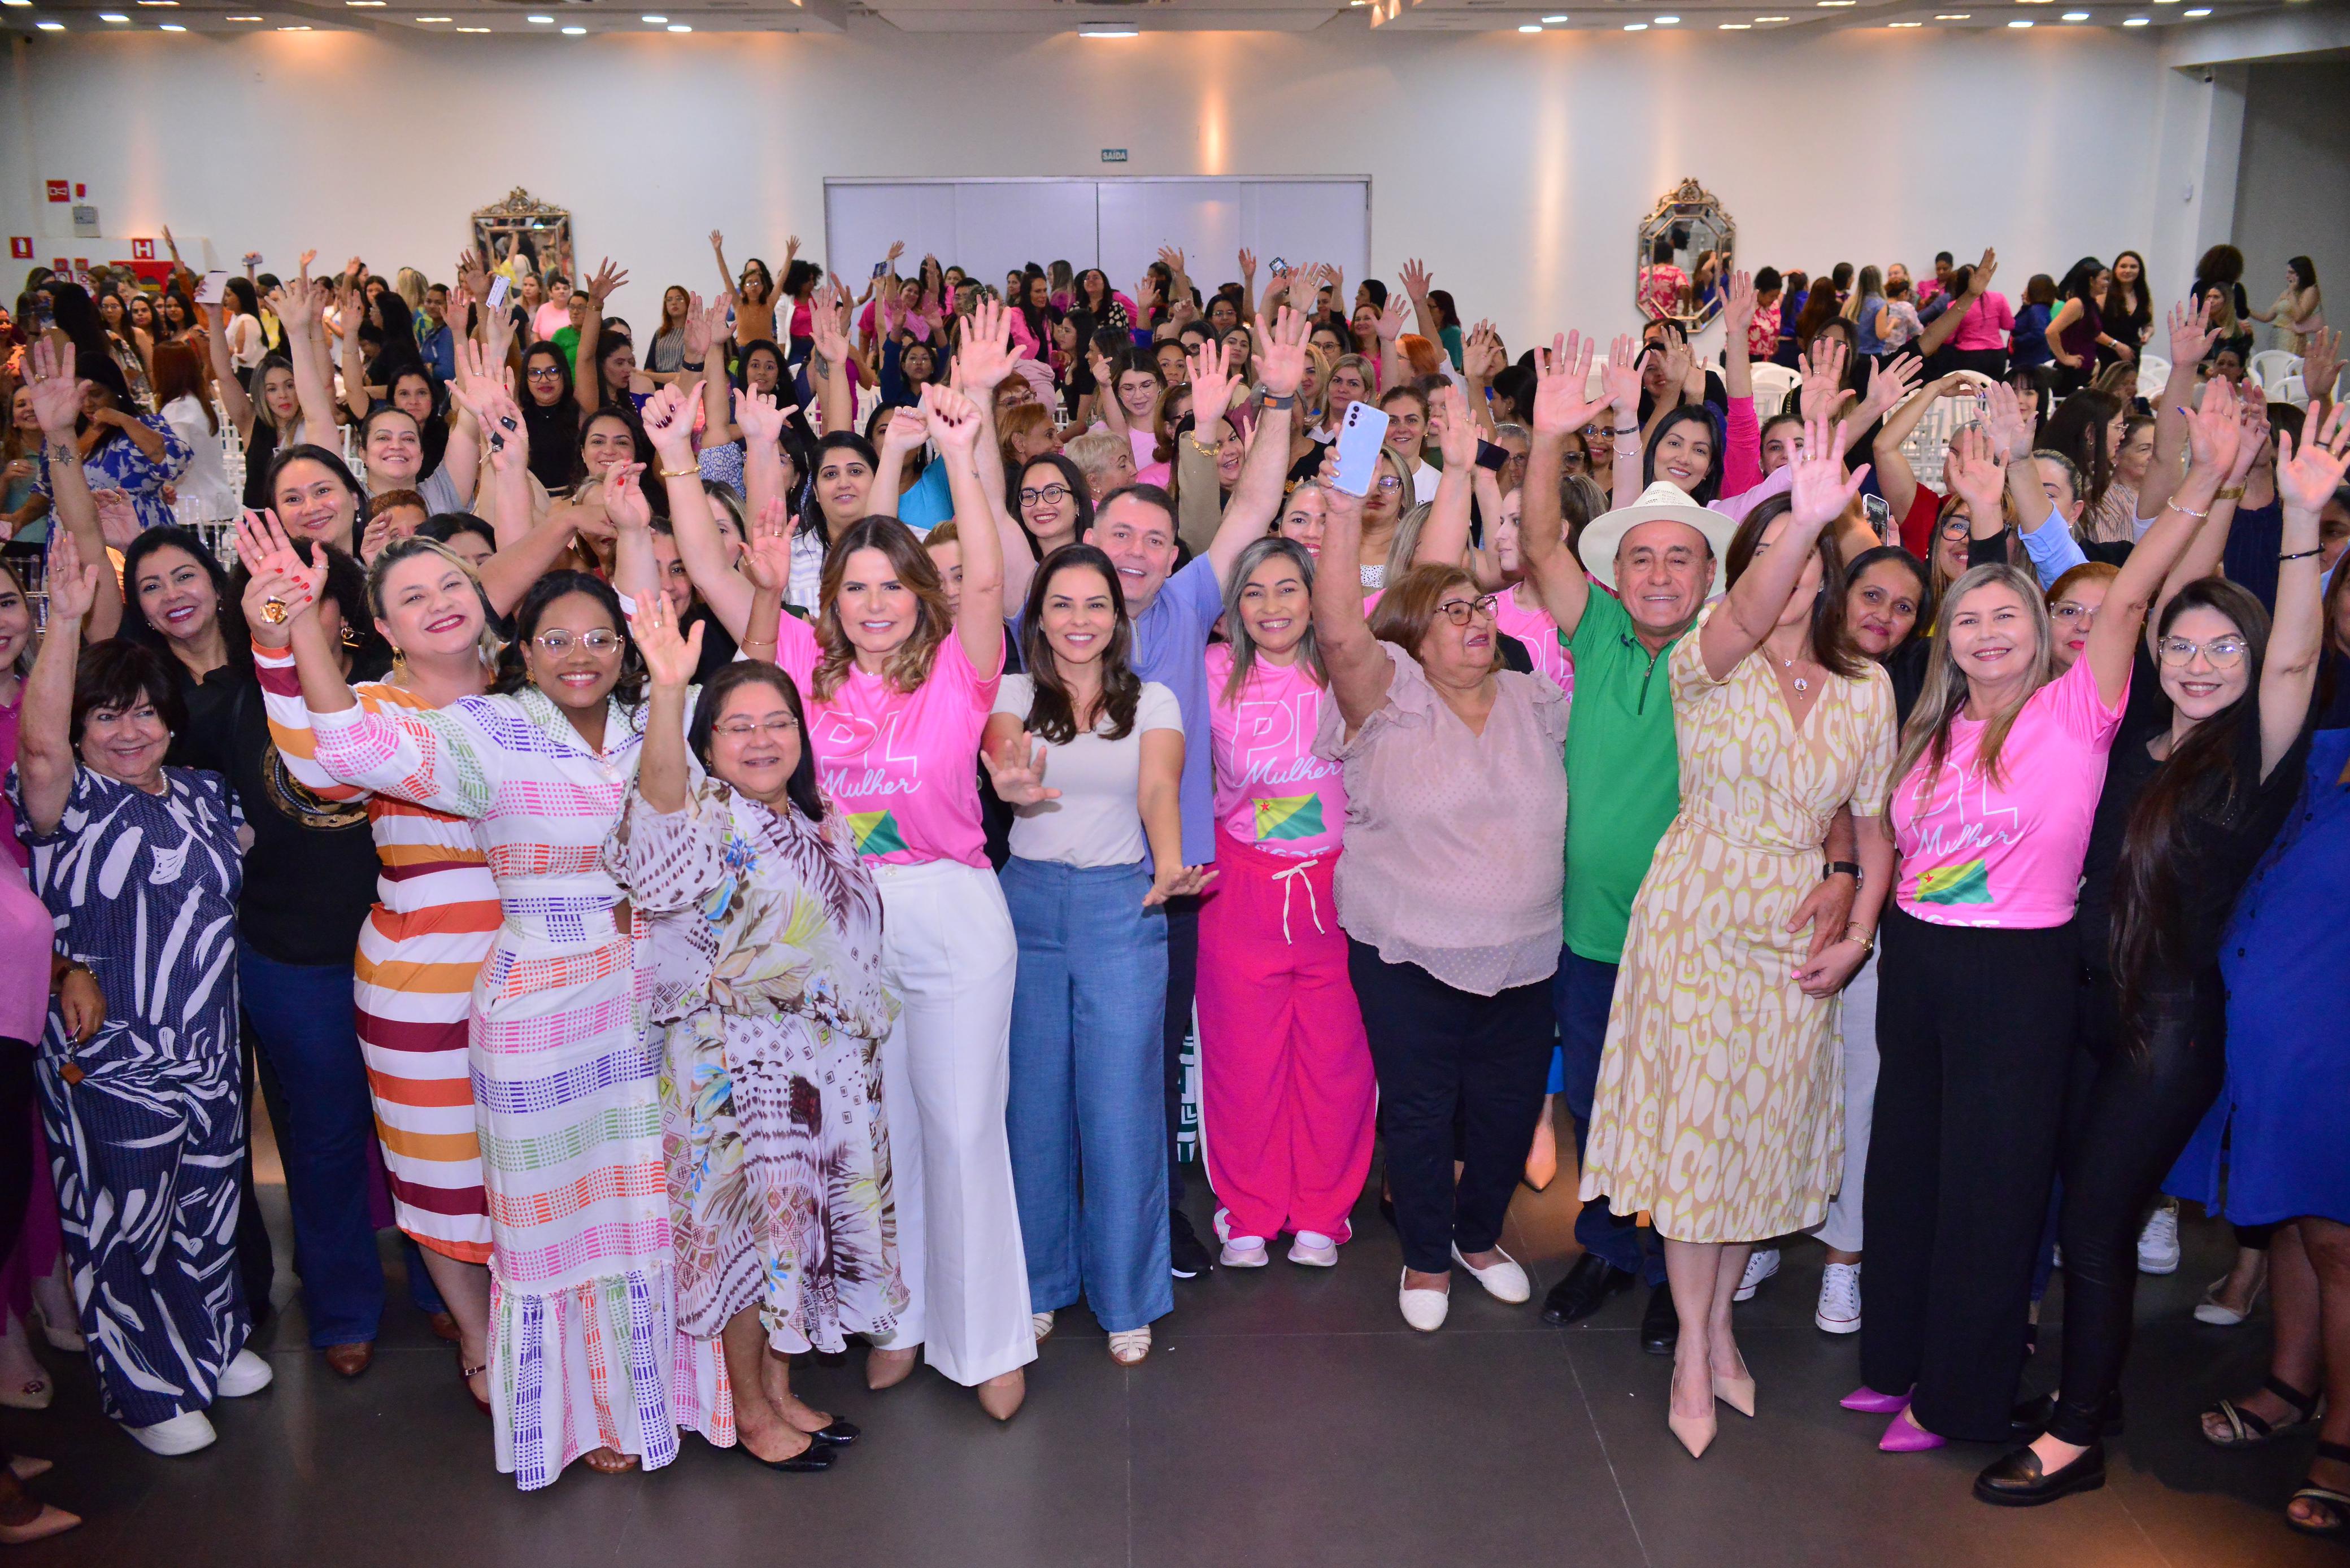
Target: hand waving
73 584
1281 357
56 395
670 659
1019 773
1820 490
1561 371
1619 379
668 417
2308 478
768 552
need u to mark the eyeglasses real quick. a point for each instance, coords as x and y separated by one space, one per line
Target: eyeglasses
2224 652
2073 612
546 373
1460 611
778 728
1055 493
1590 430
1389 482
1955 527
599 641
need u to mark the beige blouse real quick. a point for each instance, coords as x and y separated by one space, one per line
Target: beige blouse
1456 842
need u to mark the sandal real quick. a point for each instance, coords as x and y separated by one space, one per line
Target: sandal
2332 1498
465 1375
2246 1430
1130 1345
608 1462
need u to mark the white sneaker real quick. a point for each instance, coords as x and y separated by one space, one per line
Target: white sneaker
1313 1250
1243 1252
1504 1281
182 1434
1760 1265
1839 1308
244 1374
2158 1243
1424 1309
1040 1324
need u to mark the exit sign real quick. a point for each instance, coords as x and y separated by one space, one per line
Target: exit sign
1113 154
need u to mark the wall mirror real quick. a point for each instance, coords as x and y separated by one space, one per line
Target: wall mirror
524 224
1683 257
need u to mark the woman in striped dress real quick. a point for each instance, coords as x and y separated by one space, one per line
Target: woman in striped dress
585 1360
436 911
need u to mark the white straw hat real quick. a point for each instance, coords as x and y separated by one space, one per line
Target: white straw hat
1663 502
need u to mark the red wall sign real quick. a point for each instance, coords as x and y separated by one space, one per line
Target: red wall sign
142 250
60 190
20 247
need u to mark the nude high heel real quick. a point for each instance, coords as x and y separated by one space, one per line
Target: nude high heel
1696 1432
1002 1396
1738 1393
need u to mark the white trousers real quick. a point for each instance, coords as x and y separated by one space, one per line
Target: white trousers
949 952
1856 1021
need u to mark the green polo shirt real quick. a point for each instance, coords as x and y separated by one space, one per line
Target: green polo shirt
1622 774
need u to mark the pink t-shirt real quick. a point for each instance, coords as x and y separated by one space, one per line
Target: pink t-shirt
1272 791
1984 326
550 319
1540 634
1980 853
12 716
903 765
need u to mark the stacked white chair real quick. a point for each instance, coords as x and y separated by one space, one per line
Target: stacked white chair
1931 438
1773 383
2270 366
2153 375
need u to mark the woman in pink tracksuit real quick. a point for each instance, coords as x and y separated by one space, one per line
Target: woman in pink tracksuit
1286 1090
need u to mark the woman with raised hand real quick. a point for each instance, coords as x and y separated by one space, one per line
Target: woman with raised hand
1998 779
898 693
2201 799
1091 870
769 1011
588 1362
1718 1107
423 942
139 866
1286 1089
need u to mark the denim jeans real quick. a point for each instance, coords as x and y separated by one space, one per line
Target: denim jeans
1580 994
1088 1114
305 1023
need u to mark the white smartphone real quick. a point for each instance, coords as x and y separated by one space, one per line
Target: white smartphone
497 292
212 288
1361 434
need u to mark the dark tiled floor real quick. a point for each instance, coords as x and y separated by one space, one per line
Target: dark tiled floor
1287 1418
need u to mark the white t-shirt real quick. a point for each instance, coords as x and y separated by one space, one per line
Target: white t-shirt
1425 477
1098 820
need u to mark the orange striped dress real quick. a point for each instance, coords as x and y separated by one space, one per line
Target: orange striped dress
436 913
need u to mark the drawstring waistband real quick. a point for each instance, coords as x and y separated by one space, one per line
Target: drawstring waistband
1290 880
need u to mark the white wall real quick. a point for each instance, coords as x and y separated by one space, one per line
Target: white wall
2292 195
1518 167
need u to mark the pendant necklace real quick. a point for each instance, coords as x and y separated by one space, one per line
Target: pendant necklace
1802 684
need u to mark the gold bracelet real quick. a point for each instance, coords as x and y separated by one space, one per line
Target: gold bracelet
2233 492
694 473
2186 511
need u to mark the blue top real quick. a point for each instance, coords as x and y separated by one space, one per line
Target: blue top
2028 345
2287 961
438 347
1866 328
1170 647
928 504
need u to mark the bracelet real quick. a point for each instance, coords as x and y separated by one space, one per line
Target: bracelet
2302 555
1847 867
1867 940
1621 431
693 472
2233 492
691 365
2186 511
1278 400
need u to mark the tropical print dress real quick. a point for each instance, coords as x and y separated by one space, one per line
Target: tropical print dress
766 959
584 1347
146 1120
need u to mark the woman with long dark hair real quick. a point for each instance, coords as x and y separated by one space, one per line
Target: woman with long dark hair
2127 308
2077 330
2195 805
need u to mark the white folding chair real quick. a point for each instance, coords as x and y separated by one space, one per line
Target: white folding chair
1931 441
2291 390
1773 383
2270 366
2153 375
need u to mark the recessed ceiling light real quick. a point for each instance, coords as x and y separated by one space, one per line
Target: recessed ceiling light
1737 27
1087 32
432 18
542 21
50 26
679 28
2019 24
472 29
245 18
1955 17
170 28
303 29
21 3
366 4
1636 27
1553 20
1837 3
2134 22
2201 11
1669 21
655 19
112 16
1905 24
2076 15
1530 27
575 32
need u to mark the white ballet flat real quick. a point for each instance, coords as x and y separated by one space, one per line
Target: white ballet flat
1424 1309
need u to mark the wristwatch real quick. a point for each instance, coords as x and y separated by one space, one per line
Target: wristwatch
1847 868
1277 400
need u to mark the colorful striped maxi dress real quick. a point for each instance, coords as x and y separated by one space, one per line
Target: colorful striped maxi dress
420 953
585 1350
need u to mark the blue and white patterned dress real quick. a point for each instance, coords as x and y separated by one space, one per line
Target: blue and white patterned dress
146 1120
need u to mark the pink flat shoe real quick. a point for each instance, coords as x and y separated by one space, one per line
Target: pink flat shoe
1903 1437
1869 1402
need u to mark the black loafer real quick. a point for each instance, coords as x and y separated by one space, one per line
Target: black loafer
2031 1417
1584 1289
814 1459
1660 1325
840 1435
2017 1481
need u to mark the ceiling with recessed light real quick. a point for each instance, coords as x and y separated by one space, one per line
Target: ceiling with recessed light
574 20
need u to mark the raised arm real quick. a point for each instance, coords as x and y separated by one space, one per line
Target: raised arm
481 391
1480 360
45 749
1561 372
1257 494
296 305
1361 670
1415 279
1819 493
2209 547
725 273
2306 479
663 772
1938 330
1394 369
56 404
1248 285
2192 337
1619 379
224 377
587 380
1896 479
954 424
2212 435
1742 460
1444 538
828 325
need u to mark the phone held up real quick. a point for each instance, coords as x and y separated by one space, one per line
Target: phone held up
1361 433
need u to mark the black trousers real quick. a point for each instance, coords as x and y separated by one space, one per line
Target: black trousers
15 1145
1445 1057
1974 1036
2142 1106
1182 986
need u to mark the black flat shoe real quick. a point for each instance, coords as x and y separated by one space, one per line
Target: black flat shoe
2030 1418
814 1459
1187 1258
840 1435
1660 1325
1584 1289
2016 1481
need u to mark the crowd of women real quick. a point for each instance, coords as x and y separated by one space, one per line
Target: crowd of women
724 845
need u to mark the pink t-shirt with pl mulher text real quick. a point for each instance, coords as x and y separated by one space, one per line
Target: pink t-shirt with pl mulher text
903 765
1540 634
1976 852
1272 792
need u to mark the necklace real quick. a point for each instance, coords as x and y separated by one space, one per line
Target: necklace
1802 683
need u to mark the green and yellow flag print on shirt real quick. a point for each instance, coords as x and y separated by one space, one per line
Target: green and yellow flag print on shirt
1968 882
877 832
1288 816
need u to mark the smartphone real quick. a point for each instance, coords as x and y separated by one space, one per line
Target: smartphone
1360 435
497 292
879 268
1880 513
44 316
1491 458
212 288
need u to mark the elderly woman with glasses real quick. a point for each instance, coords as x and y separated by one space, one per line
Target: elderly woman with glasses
1449 894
